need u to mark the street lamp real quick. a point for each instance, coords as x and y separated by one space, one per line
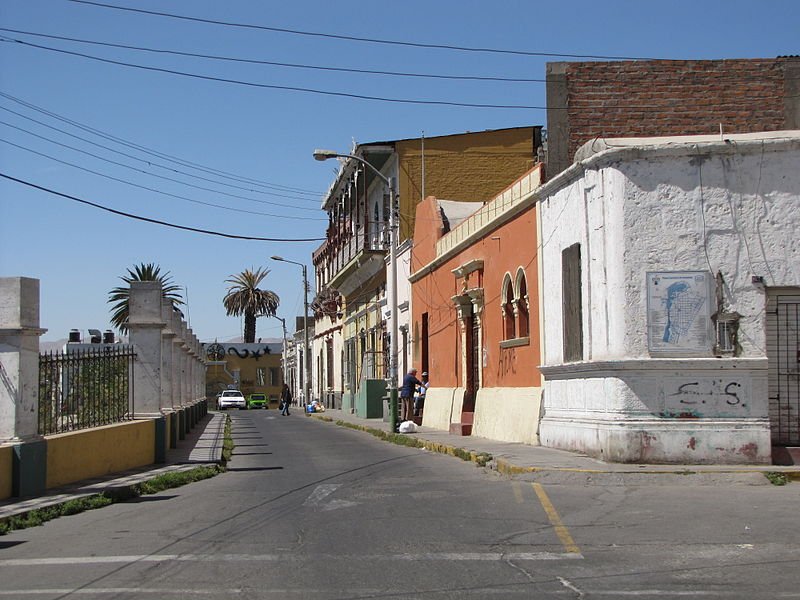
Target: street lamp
306 351
393 231
283 352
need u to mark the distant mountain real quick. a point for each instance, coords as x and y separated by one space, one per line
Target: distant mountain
52 346
238 340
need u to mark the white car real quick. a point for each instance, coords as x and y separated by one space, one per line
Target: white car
230 399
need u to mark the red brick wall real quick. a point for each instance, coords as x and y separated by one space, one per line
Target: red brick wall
669 97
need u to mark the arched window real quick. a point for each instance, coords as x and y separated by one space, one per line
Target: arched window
509 326
523 318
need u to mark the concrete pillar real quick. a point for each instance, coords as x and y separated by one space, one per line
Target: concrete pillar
191 380
201 377
177 344
145 326
182 366
19 358
167 337
19 383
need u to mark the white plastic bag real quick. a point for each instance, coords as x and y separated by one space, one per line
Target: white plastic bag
408 427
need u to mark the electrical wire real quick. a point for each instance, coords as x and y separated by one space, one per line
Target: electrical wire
157 191
357 39
145 149
676 105
147 161
280 64
274 86
155 221
119 164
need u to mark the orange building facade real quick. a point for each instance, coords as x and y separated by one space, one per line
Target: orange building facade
475 328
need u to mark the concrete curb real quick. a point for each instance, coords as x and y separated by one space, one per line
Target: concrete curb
479 458
617 473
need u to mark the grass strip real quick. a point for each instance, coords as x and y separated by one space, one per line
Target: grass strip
479 458
159 483
227 442
776 478
165 481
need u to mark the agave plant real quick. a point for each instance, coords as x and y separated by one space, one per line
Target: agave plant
245 298
119 297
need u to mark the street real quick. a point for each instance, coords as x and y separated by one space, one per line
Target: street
308 509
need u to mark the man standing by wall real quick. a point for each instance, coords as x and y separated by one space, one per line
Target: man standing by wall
410 383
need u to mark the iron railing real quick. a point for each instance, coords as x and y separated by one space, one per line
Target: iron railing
84 388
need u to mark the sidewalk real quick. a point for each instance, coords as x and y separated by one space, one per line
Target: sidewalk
523 461
201 446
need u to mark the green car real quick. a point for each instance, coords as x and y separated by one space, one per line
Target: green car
257 400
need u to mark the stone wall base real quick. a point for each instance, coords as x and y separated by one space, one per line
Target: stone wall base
690 441
442 407
508 414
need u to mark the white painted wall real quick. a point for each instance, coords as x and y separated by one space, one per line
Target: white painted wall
716 206
508 414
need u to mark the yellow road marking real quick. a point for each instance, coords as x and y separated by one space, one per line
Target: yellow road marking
517 492
561 530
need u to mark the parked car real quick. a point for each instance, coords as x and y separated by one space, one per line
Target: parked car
231 399
257 400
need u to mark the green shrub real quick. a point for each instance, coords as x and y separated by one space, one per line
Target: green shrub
777 478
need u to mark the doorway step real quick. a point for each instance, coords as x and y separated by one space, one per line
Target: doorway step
465 426
785 455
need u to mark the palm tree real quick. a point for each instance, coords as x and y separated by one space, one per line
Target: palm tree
120 296
244 298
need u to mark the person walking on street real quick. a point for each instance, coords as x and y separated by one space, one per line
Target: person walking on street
410 383
286 399
419 400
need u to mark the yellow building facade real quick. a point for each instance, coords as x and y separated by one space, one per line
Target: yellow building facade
247 367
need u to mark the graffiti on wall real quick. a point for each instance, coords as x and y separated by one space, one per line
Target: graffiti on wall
695 397
507 363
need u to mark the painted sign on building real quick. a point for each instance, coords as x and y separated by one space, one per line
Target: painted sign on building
679 313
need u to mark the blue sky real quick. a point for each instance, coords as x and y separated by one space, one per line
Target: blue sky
261 139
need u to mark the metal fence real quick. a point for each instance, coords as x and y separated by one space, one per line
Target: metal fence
83 388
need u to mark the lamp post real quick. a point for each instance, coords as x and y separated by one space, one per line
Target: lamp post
306 351
283 351
389 183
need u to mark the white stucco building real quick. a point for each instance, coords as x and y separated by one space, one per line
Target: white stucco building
670 278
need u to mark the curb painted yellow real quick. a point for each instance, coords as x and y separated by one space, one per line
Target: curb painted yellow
479 458
100 451
506 468
6 469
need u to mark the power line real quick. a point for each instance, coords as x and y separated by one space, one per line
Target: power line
119 164
281 64
149 189
639 108
156 221
150 162
162 155
273 86
358 39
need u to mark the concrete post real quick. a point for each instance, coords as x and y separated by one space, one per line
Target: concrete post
19 358
182 361
145 326
201 378
167 356
177 344
190 370
19 383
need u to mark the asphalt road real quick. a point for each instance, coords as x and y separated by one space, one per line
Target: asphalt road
311 510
